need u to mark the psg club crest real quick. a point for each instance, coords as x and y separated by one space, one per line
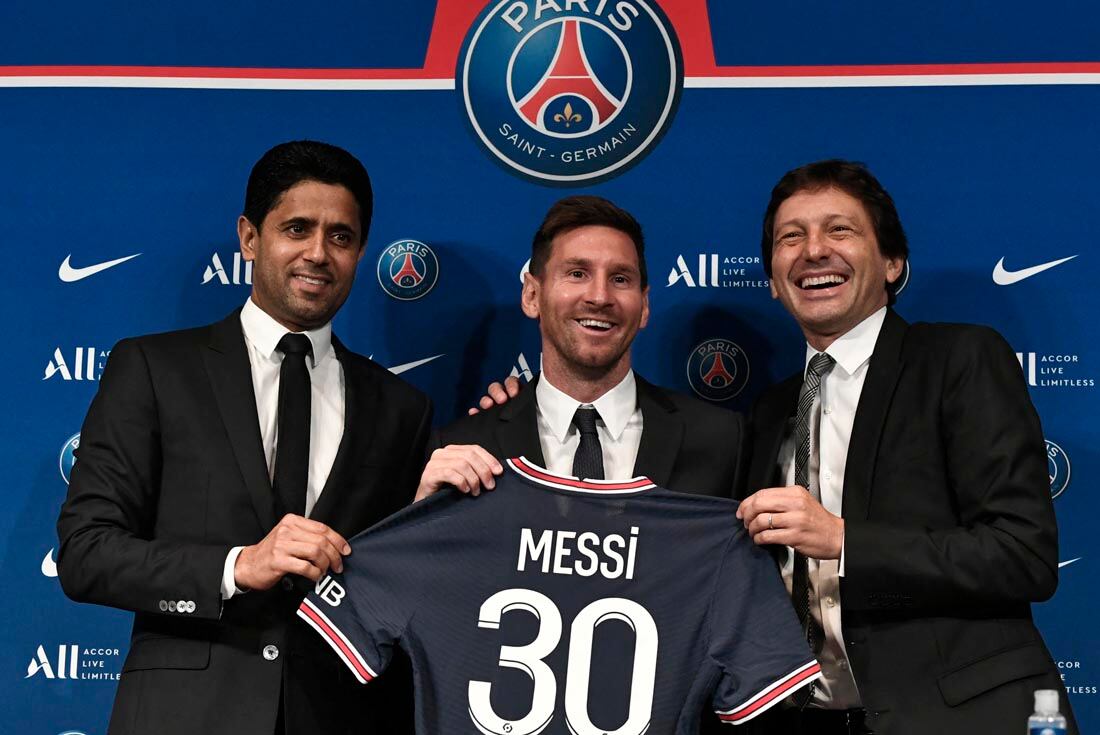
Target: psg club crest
407 269
718 370
68 456
567 92
1057 468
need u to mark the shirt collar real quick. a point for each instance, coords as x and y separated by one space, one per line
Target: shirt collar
853 348
264 333
615 407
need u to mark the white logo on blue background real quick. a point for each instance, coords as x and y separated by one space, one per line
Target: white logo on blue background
67 459
718 370
565 96
1058 468
407 269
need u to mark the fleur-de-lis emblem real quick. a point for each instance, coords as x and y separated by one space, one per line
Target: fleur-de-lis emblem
567 115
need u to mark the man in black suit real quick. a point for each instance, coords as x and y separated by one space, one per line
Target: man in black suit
924 528
223 467
588 289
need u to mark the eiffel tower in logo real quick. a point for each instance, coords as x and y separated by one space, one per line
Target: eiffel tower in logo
569 73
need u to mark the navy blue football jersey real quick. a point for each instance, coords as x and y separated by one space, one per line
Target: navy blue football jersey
565 606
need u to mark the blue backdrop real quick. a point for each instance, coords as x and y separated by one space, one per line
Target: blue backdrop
982 125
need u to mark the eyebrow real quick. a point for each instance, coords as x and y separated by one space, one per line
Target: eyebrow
301 220
620 267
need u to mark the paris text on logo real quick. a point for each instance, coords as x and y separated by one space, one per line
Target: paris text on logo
407 269
563 93
718 370
67 458
1058 468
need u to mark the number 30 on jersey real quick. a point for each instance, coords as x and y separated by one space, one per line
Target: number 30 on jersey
529 659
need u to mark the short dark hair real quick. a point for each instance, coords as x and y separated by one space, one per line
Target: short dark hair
289 164
854 179
581 211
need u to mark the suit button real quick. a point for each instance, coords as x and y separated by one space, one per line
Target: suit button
271 653
287 584
163 605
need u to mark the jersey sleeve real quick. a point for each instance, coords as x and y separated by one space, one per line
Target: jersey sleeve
756 640
363 612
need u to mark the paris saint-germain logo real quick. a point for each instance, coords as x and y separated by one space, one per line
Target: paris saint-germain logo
68 456
407 269
569 92
1057 468
718 370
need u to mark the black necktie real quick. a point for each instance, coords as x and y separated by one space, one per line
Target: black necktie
806 445
588 461
292 454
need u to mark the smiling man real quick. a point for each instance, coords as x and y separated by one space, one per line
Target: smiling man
589 414
904 469
222 467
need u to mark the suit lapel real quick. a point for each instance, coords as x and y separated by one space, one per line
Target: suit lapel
874 403
230 372
517 430
662 433
769 426
360 394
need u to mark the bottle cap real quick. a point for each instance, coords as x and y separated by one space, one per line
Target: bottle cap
1046 701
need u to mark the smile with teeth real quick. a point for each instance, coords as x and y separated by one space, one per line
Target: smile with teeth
595 324
826 281
311 280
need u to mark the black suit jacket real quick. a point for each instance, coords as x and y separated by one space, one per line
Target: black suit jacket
949 530
687 445
170 475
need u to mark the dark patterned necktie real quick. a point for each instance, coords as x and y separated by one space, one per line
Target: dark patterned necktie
806 445
292 454
588 460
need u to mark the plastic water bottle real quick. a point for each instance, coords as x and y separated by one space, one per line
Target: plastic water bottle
1047 720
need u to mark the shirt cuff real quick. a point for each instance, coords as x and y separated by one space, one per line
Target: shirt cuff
229 585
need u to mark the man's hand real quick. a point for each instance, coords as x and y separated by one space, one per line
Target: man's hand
498 394
468 467
790 516
296 545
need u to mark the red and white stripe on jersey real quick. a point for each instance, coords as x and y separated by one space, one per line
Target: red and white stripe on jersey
533 472
354 660
772 694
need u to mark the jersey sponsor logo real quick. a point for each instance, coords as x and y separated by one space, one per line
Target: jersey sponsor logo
74 662
714 270
238 273
1004 277
718 370
87 364
49 566
407 269
1058 468
68 274
67 458
569 92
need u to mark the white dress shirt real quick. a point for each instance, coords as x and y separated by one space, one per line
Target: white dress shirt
619 427
837 402
326 428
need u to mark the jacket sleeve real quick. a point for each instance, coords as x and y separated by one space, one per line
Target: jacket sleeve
1002 546
109 552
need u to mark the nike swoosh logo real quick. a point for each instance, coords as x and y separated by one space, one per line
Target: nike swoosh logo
1004 277
68 274
398 369
1067 563
49 566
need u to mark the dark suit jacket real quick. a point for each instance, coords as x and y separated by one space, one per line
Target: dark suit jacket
949 530
687 445
170 475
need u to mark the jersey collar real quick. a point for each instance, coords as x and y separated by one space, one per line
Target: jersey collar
531 471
